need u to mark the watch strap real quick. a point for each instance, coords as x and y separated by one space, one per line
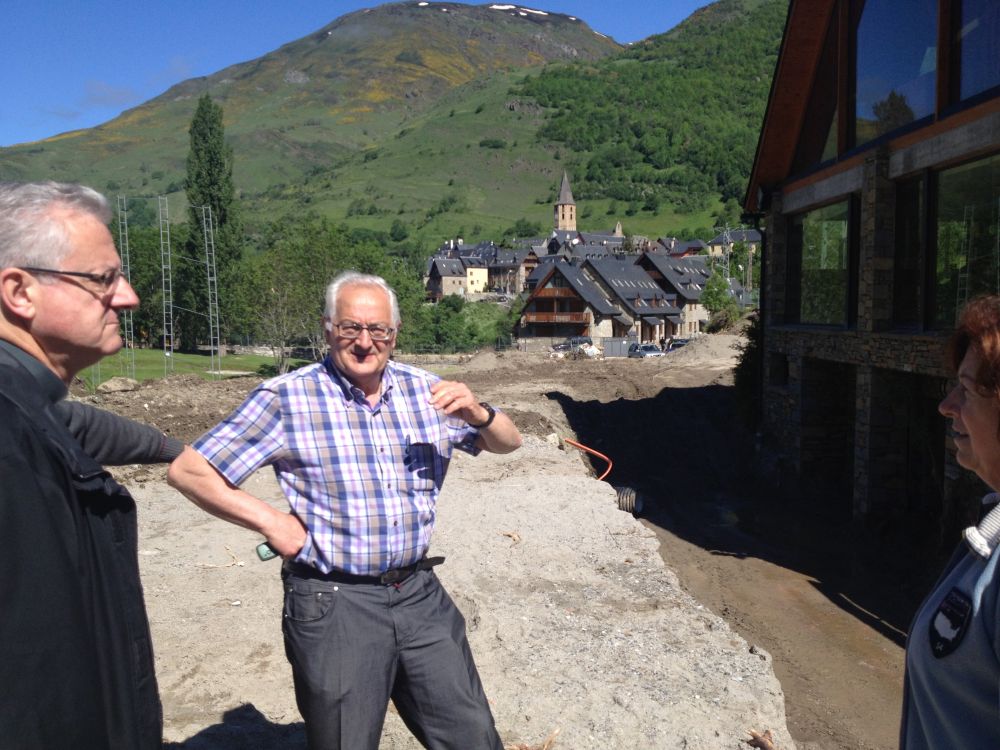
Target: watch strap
489 420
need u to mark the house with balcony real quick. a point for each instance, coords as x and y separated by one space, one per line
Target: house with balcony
682 279
877 178
565 302
645 312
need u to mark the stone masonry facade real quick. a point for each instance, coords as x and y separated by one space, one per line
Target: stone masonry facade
856 402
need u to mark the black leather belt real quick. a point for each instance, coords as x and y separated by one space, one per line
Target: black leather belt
390 577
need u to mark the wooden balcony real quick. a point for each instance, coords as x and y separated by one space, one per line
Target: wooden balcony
540 317
556 292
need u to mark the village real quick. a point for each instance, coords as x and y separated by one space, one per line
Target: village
622 290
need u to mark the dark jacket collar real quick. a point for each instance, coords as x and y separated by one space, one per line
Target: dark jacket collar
51 387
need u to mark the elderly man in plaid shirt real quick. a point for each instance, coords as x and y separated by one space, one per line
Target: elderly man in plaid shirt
360 445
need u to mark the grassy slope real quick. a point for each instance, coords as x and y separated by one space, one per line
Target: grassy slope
494 187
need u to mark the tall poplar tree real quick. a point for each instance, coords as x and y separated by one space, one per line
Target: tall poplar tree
209 183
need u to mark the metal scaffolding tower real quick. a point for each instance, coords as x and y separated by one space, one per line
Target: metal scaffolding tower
128 333
168 292
966 258
727 248
214 342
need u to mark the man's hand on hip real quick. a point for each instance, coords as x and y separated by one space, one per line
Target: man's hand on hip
286 534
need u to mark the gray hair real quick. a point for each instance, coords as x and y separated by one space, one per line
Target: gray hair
32 233
353 278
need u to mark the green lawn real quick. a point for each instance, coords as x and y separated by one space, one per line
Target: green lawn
151 364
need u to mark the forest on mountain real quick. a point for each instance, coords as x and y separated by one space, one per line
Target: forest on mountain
672 120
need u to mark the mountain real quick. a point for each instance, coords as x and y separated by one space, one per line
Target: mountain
420 115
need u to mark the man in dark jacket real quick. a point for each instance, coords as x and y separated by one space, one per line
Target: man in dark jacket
76 663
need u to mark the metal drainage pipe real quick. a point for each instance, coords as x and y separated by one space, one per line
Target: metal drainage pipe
629 500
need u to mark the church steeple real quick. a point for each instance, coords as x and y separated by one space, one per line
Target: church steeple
565 208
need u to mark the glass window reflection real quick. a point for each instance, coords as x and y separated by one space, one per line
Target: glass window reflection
977 38
896 65
825 254
968 240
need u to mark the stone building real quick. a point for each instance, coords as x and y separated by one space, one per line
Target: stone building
877 177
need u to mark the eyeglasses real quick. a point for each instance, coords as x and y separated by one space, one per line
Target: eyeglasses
106 281
351 330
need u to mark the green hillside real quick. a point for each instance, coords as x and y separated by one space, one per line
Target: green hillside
674 120
438 124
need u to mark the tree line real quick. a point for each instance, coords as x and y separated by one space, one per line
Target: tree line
271 285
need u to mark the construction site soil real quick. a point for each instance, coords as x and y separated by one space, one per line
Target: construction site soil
803 593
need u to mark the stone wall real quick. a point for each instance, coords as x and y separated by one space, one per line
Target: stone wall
816 378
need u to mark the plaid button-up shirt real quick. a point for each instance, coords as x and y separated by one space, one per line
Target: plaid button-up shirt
364 480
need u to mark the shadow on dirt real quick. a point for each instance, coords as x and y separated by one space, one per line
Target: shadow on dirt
696 467
245 728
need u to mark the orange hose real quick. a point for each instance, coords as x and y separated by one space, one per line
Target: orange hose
593 452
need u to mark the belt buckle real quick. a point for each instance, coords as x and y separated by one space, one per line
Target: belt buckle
392 576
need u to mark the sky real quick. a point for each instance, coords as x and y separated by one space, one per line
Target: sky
70 64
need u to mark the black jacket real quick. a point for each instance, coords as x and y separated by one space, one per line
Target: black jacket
76 662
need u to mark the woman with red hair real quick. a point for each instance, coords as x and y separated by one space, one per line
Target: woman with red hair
951 690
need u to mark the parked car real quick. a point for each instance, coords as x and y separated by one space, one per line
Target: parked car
640 351
572 343
677 344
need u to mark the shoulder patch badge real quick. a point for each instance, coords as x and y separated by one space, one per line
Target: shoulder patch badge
949 623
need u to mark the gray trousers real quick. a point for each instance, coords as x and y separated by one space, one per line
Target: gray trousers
354 647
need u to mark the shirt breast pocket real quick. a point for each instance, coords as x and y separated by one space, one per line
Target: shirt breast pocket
422 466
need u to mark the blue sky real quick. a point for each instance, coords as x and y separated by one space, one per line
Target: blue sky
72 64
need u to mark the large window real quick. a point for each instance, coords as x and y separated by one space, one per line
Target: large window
823 248
896 65
977 44
968 240
889 55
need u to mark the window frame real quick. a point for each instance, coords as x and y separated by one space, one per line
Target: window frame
794 252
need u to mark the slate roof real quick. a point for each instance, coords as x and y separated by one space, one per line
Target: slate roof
544 263
565 194
449 267
504 257
692 247
563 236
601 238
636 291
685 276
591 293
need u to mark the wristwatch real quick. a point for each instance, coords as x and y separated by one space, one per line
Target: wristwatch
489 420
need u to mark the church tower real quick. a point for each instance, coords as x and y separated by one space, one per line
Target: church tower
565 210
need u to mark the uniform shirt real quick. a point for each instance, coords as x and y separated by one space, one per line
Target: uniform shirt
363 479
951 690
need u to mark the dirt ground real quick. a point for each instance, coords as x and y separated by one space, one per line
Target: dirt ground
808 589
